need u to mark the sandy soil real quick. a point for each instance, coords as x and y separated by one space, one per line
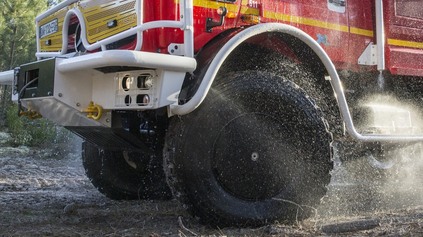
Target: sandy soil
43 193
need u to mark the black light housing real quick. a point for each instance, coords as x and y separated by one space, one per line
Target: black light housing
112 23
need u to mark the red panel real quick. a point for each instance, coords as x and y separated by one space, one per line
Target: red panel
404 32
158 40
403 61
334 41
403 19
408 13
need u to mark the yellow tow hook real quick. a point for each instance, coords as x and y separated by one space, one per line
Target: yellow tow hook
94 111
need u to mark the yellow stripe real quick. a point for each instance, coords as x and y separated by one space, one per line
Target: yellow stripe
404 43
359 31
213 5
305 21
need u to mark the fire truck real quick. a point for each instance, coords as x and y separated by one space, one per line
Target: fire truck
234 107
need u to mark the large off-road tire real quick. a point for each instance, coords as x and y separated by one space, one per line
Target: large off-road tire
257 150
139 176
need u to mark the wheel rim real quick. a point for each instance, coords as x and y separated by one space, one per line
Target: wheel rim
247 158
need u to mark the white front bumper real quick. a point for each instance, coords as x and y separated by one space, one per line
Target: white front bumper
102 78
6 78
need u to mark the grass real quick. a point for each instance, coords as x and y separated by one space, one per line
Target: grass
27 132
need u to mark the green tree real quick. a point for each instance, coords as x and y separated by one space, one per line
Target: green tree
17 37
18 46
17 31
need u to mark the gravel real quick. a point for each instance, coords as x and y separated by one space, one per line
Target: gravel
44 193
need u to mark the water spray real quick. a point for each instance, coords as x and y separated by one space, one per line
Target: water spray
381 81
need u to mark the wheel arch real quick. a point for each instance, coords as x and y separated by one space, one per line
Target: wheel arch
283 40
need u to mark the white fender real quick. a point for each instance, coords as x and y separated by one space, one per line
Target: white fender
336 83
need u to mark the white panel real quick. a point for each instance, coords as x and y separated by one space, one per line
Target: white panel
104 90
170 87
74 89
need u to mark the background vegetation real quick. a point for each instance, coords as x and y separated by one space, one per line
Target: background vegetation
18 46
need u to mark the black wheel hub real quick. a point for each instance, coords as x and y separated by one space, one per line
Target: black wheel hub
253 157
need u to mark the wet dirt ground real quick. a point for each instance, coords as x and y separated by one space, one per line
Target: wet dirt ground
43 193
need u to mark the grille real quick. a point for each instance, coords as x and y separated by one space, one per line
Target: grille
55 40
112 139
97 17
97 14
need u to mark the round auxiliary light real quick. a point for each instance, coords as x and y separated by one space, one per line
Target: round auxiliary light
146 100
144 81
148 82
128 100
126 82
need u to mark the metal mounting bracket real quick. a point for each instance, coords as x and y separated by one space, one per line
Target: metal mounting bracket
176 49
210 24
369 55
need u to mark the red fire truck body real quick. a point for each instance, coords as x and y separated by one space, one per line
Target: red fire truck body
344 34
343 31
233 106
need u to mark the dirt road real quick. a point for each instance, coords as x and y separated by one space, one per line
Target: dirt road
43 193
